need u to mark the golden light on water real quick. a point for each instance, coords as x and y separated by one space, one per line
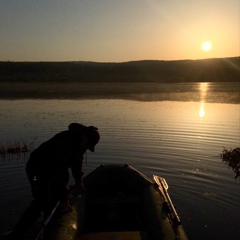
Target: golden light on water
203 87
202 110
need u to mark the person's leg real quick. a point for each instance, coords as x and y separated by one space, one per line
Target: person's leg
58 192
40 193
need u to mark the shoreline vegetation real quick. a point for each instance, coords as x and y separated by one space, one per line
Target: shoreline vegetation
17 147
138 80
207 70
232 159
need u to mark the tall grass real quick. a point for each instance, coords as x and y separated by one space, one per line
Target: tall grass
16 147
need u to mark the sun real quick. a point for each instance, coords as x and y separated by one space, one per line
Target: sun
206 46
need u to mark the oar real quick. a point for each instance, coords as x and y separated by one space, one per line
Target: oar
162 184
46 221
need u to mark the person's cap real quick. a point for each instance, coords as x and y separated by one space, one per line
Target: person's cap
76 127
93 137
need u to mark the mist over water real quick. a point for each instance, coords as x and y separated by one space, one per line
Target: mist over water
178 140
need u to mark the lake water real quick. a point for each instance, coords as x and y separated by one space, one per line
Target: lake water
178 140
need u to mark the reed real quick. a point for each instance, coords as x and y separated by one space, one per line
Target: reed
232 159
2 151
16 147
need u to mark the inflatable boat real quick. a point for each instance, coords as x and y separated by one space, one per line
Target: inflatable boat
120 203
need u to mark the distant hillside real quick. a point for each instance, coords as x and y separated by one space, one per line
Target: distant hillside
207 70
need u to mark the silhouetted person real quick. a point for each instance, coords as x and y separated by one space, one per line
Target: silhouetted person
47 172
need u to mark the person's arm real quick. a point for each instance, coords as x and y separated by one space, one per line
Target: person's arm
76 168
77 173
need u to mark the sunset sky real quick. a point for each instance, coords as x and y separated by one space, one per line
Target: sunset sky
118 30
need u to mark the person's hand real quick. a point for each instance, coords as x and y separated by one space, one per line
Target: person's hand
65 207
77 188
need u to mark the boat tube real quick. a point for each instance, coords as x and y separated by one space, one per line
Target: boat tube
120 203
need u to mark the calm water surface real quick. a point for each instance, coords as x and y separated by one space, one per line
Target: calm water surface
180 141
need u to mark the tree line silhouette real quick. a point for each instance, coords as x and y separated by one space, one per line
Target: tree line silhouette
206 70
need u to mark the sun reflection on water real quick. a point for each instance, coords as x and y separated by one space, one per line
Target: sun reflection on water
202 110
203 87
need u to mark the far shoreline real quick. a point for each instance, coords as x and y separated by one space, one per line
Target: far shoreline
218 92
146 71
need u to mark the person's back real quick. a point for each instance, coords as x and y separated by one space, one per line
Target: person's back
57 152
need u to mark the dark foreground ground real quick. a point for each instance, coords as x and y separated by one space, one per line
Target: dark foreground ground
212 92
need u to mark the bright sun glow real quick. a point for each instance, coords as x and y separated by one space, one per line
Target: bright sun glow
206 46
